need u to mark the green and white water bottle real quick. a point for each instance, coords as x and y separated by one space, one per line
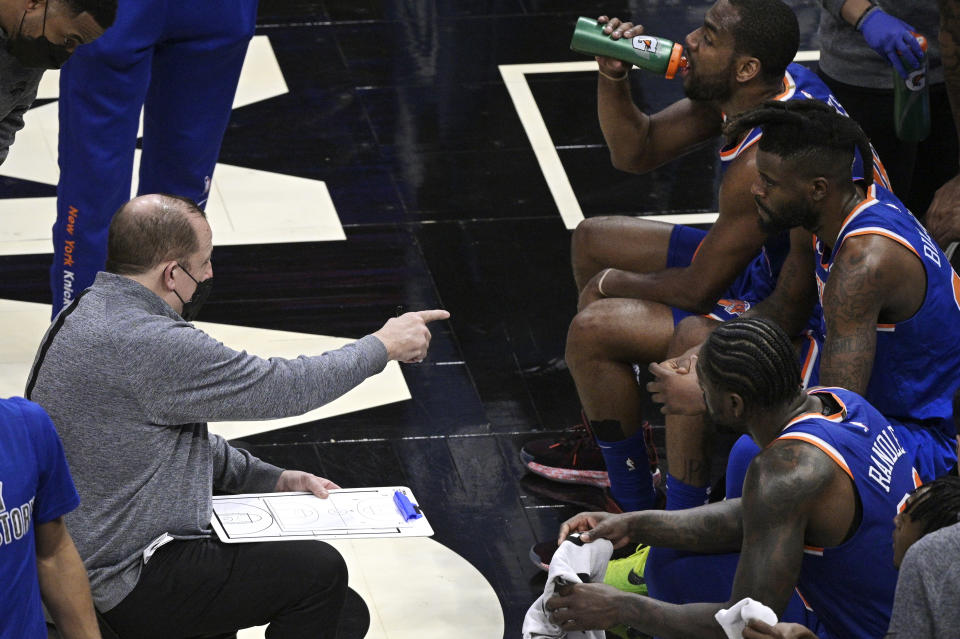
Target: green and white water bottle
657 55
911 101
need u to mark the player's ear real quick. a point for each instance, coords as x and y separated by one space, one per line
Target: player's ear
819 187
748 68
735 405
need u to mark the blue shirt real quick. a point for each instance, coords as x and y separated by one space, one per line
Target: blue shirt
916 369
35 488
799 83
851 586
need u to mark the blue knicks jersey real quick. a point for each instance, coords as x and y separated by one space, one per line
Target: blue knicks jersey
799 83
851 586
916 369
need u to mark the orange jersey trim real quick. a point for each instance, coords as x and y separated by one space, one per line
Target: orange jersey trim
887 234
807 369
880 171
956 289
744 144
869 200
803 599
789 88
827 449
697 250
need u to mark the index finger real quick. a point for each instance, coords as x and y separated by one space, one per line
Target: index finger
320 486
914 48
658 370
756 629
433 315
564 590
575 524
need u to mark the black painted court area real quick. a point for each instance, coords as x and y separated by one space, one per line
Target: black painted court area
399 107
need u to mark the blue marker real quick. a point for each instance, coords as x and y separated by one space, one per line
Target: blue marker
407 508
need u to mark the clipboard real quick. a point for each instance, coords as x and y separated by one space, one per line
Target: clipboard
348 513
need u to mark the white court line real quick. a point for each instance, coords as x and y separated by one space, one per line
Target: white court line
246 206
683 218
515 78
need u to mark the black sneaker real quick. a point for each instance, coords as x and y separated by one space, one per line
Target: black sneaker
572 458
575 458
585 497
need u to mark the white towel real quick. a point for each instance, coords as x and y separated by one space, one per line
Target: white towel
567 564
734 619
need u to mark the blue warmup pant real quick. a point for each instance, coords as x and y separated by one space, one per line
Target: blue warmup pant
178 59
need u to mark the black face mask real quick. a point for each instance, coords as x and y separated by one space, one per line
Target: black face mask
37 53
192 306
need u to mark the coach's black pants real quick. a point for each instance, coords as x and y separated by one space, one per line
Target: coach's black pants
204 588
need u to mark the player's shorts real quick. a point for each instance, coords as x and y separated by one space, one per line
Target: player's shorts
753 285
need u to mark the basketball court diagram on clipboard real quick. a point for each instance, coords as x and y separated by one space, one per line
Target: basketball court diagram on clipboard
347 513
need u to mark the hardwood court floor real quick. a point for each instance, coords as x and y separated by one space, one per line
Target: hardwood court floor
387 153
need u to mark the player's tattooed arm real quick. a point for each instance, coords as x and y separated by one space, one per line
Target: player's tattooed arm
795 295
780 491
712 528
852 299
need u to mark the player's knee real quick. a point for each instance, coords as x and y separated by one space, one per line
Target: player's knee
589 239
690 332
598 332
585 332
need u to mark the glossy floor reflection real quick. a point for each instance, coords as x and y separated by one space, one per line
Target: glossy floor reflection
400 109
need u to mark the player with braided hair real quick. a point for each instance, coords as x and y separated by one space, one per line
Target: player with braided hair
733 354
817 510
929 583
890 299
890 327
832 137
931 507
637 278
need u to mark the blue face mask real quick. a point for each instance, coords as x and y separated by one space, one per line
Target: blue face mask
192 306
37 53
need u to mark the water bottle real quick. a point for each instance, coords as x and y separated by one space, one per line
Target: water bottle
657 55
911 101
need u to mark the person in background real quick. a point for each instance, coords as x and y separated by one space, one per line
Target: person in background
177 60
143 457
925 538
38 559
36 35
816 510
